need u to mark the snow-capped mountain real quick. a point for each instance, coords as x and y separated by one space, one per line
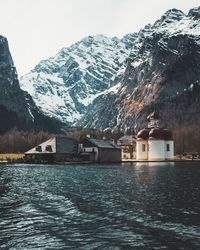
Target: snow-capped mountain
101 82
63 86
162 72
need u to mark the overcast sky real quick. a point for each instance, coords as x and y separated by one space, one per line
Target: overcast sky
38 29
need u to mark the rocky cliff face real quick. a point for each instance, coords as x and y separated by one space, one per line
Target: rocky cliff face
102 82
162 72
63 86
13 106
17 108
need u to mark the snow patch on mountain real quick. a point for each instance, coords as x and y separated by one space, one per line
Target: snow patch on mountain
73 85
63 86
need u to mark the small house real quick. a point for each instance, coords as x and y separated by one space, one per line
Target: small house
56 149
98 150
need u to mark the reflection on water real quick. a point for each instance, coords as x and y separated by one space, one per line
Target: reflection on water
129 206
154 164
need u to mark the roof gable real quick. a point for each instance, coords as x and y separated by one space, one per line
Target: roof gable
44 147
100 143
57 144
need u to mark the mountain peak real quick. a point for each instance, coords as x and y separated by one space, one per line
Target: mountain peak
174 11
170 16
2 38
97 38
194 13
82 82
68 82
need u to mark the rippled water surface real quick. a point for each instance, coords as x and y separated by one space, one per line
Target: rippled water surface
122 206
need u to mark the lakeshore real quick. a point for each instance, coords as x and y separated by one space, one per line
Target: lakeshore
3 162
19 158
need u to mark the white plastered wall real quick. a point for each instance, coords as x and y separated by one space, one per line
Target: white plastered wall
157 150
169 155
140 154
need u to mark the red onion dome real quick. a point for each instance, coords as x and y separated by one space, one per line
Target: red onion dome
168 134
153 116
143 134
160 134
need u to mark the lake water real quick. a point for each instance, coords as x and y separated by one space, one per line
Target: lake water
115 206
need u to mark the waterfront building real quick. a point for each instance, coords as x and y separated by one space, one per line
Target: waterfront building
56 149
154 142
98 150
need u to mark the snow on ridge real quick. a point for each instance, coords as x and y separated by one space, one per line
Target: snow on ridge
184 26
64 85
77 75
114 89
82 64
173 22
135 64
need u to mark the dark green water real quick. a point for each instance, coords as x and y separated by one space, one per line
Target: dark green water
124 206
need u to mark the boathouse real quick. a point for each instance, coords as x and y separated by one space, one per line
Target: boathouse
154 142
98 150
56 149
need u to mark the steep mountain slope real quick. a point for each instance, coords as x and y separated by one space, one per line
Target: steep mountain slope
162 73
13 107
17 108
106 82
63 86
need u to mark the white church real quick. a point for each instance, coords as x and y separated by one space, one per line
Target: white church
154 143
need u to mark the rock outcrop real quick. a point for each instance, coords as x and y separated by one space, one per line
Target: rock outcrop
162 73
17 108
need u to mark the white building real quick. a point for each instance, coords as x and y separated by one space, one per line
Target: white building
128 146
153 142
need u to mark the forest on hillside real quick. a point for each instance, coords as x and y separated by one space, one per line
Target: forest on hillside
186 140
15 141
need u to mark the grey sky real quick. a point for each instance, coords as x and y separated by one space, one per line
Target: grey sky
37 29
